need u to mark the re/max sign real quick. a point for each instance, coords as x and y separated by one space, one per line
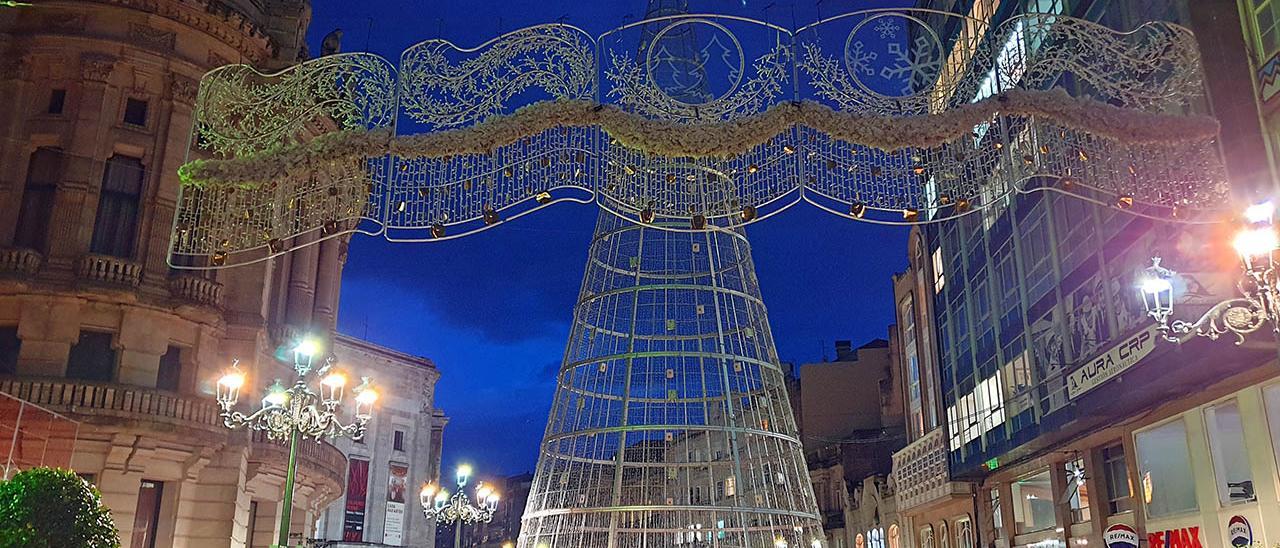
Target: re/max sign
1111 363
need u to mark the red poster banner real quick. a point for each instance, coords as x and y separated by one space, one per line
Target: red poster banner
357 491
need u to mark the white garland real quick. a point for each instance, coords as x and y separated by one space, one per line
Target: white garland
711 139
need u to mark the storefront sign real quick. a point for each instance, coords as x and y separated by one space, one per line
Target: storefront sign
1269 80
1239 533
1120 536
1112 362
357 488
393 525
1186 537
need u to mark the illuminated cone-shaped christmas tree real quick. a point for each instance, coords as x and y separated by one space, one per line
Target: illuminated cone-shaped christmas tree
671 424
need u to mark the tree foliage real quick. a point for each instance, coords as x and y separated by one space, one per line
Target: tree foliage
54 508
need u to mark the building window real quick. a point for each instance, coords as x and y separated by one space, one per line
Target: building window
894 537
1230 454
92 358
253 522
997 520
944 535
116 225
57 99
10 345
730 486
1079 490
1164 470
1119 488
146 517
907 319
170 372
1033 503
926 537
43 171
1266 20
964 533
397 440
939 277
135 112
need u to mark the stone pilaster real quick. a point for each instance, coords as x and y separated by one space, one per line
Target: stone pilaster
48 327
213 511
143 339
328 281
302 283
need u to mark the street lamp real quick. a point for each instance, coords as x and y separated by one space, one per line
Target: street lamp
1256 244
458 509
297 412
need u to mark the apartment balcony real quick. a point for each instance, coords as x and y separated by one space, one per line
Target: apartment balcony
106 269
196 290
99 402
18 261
921 472
320 465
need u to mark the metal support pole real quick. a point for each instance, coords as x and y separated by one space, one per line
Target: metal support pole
457 534
286 510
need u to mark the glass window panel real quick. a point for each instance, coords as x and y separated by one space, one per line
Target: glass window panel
1230 453
116 225
1164 469
1079 489
1033 503
1119 488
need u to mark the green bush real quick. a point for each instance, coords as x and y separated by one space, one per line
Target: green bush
53 508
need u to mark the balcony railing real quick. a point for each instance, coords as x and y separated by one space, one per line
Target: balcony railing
119 401
313 457
19 261
921 473
196 290
109 270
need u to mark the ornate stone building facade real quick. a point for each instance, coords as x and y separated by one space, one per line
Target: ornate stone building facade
93 321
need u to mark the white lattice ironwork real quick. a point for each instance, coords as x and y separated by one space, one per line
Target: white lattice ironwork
670 423
869 115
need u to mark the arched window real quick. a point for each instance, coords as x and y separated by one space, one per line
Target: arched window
894 540
964 533
944 536
116 227
43 172
926 536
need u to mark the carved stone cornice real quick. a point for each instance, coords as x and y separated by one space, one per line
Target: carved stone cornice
16 67
64 21
151 37
97 67
183 89
213 17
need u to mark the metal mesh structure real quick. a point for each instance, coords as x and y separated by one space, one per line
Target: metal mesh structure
670 423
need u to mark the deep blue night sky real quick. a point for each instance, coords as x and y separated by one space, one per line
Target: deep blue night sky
493 310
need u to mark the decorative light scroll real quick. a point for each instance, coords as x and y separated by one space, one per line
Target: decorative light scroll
874 115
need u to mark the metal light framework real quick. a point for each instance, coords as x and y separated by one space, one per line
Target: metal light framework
298 412
458 509
1256 244
863 115
670 423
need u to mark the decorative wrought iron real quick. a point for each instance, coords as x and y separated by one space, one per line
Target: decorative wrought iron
311 153
1259 286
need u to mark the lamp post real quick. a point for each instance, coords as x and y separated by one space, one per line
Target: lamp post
458 509
1259 303
298 412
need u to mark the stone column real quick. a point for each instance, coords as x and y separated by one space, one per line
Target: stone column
164 198
71 227
14 84
213 507
143 339
328 281
47 326
302 283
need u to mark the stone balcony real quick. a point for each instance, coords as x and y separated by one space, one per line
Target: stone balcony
921 472
110 402
320 464
17 261
196 290
106 269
